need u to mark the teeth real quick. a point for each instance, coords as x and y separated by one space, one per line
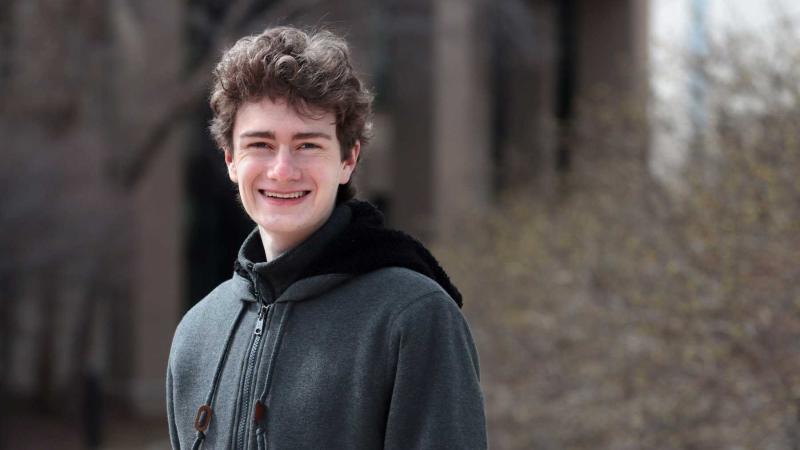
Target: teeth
292 195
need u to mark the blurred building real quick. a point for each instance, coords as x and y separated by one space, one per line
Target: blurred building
472 97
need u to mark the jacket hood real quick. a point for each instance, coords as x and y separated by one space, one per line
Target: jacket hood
366 245
353 241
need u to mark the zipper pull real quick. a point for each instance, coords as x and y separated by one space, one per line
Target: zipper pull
260 321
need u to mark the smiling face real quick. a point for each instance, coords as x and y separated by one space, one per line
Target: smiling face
288 168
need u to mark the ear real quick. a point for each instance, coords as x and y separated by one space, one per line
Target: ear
349 164
229 161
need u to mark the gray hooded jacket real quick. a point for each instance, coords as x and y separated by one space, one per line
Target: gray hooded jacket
352 340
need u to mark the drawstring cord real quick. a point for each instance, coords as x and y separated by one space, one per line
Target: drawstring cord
204 413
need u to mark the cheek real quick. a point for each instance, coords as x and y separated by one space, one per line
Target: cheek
246 171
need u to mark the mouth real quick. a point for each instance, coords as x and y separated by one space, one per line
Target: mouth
283 195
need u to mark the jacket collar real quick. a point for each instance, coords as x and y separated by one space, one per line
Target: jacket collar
269 279
353 241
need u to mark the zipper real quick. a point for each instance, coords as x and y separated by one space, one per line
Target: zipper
258 332
260 321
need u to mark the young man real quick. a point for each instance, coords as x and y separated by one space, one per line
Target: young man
334 332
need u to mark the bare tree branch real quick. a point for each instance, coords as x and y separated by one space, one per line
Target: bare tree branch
129 171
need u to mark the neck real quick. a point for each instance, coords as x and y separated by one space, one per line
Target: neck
275 246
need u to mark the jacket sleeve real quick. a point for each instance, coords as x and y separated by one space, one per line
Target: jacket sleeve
173 430
436 400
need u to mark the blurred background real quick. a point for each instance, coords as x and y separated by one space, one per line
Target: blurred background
613 184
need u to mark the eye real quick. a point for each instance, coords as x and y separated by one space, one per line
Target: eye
257 144
308 146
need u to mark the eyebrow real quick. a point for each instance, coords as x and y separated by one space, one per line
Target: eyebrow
296 136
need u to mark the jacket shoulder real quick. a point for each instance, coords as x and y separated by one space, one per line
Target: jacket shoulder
202 321
398 288
404 281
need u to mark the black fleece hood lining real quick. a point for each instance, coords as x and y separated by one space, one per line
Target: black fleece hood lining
366 245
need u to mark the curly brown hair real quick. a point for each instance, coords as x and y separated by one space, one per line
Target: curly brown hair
310 71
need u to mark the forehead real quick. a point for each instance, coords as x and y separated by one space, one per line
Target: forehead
278 115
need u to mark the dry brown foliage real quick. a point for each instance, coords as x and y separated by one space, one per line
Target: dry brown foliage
629 315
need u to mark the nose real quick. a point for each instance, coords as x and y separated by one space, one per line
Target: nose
283 167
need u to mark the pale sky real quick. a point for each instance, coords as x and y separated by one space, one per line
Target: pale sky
669 18
669 39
